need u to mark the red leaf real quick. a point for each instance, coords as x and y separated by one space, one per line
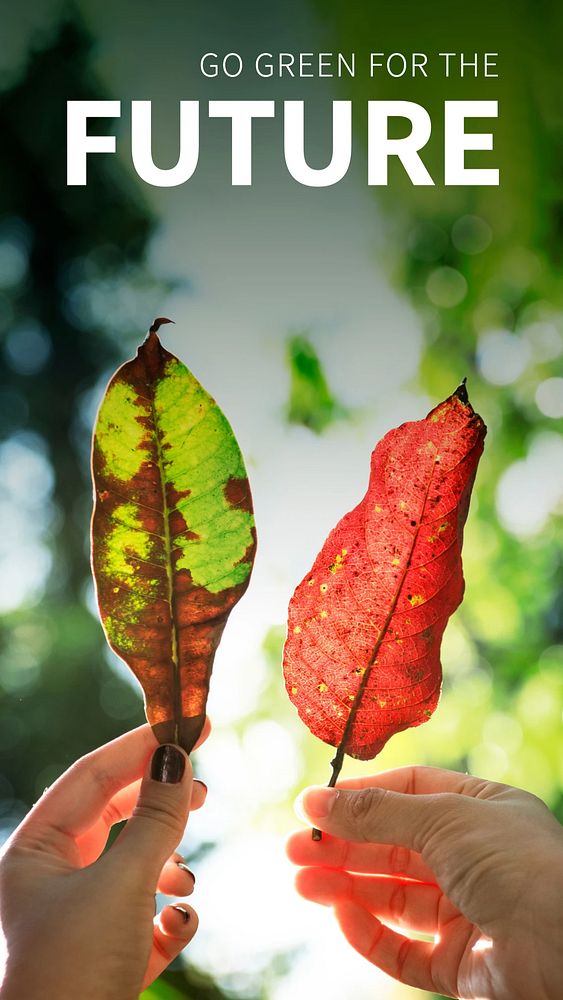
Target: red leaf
362 657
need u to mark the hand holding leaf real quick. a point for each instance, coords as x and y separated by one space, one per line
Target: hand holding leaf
362 656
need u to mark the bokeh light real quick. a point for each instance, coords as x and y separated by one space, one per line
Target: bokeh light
25 490
27 348
15 242
549 397
446 287
545 339
532 488
471 234
502 356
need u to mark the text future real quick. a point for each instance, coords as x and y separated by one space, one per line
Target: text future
458 139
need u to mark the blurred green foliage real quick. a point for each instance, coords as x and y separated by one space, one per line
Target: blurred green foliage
311 401
174 986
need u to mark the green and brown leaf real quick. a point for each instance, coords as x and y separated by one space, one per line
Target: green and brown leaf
173 537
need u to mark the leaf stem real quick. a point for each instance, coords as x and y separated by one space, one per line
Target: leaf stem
336 764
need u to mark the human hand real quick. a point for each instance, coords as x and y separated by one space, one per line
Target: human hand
476 864
78 922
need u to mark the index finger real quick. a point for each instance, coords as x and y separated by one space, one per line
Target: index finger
75 801
421 780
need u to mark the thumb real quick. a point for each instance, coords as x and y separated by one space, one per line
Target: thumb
159 819
377 815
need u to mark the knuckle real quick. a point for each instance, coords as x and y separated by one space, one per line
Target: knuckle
480 788
399 859
88 769
401 960
167 947
397 903
79 770
111 815
163 815
361 809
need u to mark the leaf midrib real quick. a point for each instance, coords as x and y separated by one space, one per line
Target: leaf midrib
341 749
176 692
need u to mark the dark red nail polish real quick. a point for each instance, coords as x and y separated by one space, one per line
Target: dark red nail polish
185 913
185 869
168 764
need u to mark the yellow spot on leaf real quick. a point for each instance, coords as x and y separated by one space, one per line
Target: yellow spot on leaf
323 687
294 690
323 588
323 614
443 527
395 562
415 600
297 630
338 561
378 509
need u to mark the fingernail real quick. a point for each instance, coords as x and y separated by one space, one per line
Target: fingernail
198 781
185 868
185 913
168 764
315 803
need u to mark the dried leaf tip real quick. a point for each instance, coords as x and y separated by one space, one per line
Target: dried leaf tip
461 391
158 322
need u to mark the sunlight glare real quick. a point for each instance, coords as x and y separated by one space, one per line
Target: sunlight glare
483 944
